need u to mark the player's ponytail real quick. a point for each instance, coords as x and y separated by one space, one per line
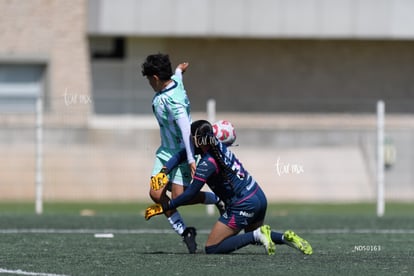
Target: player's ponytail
202 132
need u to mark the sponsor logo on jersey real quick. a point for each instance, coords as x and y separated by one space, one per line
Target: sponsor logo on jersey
203 163
246 214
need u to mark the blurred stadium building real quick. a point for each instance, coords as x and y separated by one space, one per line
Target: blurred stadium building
298 79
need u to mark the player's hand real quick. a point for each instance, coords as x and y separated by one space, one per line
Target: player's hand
153 210
193 168
183 66
159 181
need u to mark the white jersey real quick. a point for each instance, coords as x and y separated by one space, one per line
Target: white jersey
169 106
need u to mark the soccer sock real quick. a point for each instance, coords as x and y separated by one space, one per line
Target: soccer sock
210 198
177 223
256 235
277 238
231 244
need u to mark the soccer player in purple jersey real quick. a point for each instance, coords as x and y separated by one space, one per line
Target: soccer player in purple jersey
245 201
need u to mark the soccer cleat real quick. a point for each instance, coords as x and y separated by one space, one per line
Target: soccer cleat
189 235
293 240
266 239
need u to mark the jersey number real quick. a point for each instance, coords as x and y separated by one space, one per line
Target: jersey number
237 168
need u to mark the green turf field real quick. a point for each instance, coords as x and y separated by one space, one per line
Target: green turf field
347 240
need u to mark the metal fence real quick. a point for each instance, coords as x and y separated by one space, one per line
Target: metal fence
294 157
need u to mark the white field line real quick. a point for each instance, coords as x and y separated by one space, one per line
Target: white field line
21 272
202 231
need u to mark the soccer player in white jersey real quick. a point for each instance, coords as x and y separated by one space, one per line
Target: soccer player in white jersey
171 108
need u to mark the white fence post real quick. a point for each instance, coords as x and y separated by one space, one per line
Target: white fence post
39 155
211 117
380 158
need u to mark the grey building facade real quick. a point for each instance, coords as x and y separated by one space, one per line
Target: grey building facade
298 79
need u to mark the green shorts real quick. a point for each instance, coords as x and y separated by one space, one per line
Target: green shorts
180 175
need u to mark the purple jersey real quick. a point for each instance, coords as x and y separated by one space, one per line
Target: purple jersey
230 184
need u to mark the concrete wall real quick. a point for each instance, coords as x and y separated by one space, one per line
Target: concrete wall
84 161
311 158
267 75
50 33
298 75
255 19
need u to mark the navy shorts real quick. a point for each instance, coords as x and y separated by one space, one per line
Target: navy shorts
246 210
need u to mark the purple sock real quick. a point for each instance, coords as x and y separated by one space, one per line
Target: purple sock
277 238
231 244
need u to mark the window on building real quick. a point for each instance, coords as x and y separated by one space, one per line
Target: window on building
118 88
20 85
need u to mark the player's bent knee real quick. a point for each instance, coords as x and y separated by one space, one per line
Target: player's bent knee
155 196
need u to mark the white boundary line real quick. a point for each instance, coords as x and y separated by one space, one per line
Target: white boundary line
21 272
202 231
